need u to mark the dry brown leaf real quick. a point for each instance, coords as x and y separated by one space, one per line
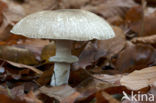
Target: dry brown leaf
109 8
17 95
18 55
12 39
26 66
31 98
133 17
14 13
45 77
3 22
31 6
134 14
84 92
48 51
2 7
151 2
77 76
78 47
140 78
17 91
116 20
71 98
135 57
59 93
104 97
3 90
89 87
34 45
4 30
112 46
113 79
87 56
73 3
147 40
6 99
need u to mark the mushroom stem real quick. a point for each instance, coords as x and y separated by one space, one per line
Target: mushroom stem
61 74
62 59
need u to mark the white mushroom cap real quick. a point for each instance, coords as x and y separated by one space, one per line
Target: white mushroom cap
67 24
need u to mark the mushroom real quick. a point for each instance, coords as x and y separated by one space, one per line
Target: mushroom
64 26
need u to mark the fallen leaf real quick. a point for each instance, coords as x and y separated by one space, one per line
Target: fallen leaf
84 92
151 2
116 20
46 76
134 18
135 57
31 98
17 95
14 71
137 11
71 98
39 5
113 79
59 93
17 91
112 46
4 30
6 99
14 12
104 97
34 45
87 56
77 76
73 3
147 39
2 7
89 87
3 90
78 47
12 39
18 55
140 78
48 51
109 8
26 66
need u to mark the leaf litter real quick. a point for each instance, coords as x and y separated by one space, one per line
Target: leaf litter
106 67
